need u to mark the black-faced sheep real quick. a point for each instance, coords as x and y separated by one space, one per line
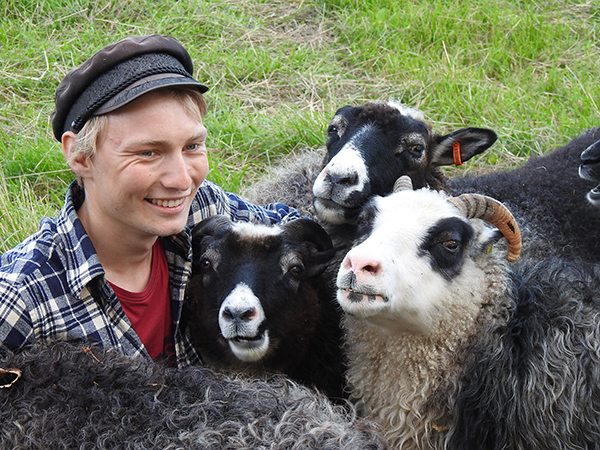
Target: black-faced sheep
368 148
375 145
450 349
260 301
69 397
589 170
548 197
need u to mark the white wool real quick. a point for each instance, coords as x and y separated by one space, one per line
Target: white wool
393 375
403 349
407 110
253 230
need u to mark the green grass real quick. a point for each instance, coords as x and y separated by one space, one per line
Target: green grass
278 70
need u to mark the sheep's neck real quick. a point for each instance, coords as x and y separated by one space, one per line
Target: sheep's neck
413 374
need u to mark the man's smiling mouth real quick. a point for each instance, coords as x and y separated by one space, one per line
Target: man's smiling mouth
166 203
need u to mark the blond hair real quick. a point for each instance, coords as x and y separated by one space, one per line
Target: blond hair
86 141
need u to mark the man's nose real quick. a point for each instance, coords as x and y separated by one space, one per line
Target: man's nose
176 173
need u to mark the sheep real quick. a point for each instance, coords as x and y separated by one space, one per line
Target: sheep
450 347
368 147
72 396
549 197
260 301
546 194
589 169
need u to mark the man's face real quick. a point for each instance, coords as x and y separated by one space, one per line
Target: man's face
149 162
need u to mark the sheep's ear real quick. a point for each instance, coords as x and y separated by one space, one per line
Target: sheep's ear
323 259
488 237
591 155
461 145
322 250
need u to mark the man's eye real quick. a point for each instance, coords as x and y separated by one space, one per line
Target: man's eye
196 146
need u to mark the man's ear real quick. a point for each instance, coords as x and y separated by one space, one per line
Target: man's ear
79 162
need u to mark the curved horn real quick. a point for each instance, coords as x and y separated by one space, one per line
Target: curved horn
404 183
475 206
207 227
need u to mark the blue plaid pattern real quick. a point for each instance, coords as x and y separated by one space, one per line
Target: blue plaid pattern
52 285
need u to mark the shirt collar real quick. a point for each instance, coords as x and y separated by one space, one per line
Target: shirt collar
82 263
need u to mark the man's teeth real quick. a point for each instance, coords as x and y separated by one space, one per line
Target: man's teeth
167 203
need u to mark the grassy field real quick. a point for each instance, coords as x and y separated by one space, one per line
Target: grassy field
278 70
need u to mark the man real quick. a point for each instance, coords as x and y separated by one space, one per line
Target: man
113 265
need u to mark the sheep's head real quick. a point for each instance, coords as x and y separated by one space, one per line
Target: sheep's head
590 170
416 252
370 146
251 298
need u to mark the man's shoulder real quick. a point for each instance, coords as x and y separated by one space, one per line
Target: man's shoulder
31 254
58 240
209 193
212 199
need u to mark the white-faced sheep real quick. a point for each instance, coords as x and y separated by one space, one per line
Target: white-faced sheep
451 349
548 197
589 170
368 148
69 397
260 301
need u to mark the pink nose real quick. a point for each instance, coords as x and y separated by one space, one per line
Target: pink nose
362 266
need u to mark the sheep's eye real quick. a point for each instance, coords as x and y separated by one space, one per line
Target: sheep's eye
451 245
296 270
417 149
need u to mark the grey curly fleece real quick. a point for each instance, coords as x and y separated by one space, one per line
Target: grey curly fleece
70 398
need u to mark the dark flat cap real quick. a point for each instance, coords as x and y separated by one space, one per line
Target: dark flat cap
118 74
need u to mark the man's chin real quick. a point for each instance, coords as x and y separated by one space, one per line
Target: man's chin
172 231
167 229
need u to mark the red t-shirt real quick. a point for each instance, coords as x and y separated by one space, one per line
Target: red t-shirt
149 311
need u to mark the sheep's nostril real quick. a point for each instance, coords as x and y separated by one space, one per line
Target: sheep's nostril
360 265
238 315
371 269
348 180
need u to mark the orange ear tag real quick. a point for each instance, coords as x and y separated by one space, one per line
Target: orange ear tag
456 153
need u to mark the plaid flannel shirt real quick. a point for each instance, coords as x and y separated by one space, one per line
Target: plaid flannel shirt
52 286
